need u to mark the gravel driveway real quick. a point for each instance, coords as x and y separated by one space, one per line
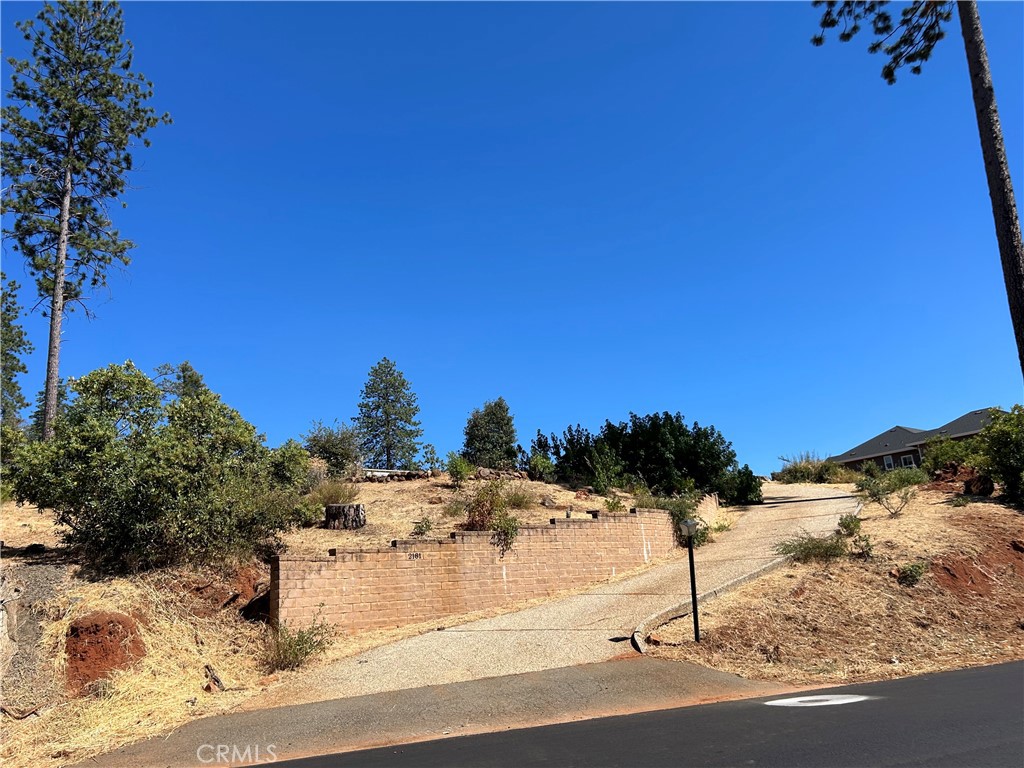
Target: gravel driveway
589 627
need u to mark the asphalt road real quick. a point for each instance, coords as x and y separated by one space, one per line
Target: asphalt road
971 717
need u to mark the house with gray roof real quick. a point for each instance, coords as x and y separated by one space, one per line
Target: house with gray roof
903 446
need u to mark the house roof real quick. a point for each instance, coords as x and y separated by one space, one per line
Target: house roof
891 441
899 439
970 423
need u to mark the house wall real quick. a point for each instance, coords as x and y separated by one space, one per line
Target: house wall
916 453
414 581
897 457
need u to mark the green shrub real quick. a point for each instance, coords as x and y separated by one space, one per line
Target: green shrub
518 497
481 507
430 458
960 501
807 467
10 439
288 648
741 486
943 453
894 489
488 510
1003 444
138 480
614 504
334 492
682 507
862 546
423 527
317 472
459 469
806 548
849 525
606 470
289 465
456 508
910 574
541 468
338 445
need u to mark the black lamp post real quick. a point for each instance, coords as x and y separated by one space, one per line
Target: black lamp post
690 526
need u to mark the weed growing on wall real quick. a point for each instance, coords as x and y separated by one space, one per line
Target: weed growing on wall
504 528
488 510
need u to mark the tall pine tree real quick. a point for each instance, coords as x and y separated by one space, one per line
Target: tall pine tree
908 42
387 425
71 116
491 436
13 344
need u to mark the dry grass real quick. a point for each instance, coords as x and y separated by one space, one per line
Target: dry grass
392 510
21 526
161 691
851 621
164 689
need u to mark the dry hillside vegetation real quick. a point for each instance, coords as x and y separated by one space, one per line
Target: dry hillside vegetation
393 509
852 620
178 622
25 525
181 628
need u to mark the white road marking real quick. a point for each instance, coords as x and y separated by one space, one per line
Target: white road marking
817 701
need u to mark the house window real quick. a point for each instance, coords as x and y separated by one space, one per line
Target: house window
888 462
907 461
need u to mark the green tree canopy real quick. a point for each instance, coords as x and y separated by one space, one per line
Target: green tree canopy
141 476
72 113
660 451
13 345
491 436
1003 443
337 445
387 425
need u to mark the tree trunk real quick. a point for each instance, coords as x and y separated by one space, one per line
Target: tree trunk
347 517
993 150
57 312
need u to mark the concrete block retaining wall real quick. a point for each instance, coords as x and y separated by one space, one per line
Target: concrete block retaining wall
414 581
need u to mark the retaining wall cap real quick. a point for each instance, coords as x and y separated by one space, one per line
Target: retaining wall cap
566 522
420 543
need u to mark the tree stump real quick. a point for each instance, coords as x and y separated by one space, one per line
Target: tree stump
344 517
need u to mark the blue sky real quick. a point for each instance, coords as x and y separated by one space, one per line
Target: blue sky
588 209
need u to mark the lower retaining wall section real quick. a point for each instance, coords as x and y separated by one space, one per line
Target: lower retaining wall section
414 581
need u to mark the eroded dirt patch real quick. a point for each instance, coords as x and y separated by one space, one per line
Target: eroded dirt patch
97 644
212 591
